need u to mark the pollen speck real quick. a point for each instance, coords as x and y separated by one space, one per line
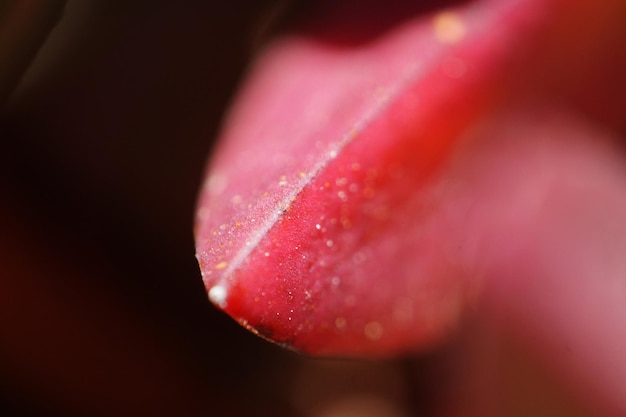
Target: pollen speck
221 265
341 181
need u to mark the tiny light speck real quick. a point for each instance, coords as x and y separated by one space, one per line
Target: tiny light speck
221 265
373 330
340 322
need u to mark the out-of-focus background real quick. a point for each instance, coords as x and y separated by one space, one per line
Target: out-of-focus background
102 309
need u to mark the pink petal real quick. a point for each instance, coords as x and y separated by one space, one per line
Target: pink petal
331 220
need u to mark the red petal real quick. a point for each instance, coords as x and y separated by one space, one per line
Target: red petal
325 222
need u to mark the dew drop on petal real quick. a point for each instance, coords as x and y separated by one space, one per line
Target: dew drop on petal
218 295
